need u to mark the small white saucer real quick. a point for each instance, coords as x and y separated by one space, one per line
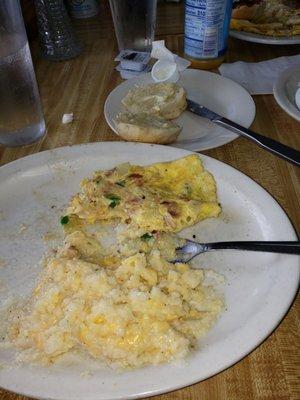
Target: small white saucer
285 90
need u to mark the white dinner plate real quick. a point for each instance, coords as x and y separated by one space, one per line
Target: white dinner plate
258 291
257 38
285 90
214 91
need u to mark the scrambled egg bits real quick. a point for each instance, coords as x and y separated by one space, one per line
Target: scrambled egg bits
145 311
110 290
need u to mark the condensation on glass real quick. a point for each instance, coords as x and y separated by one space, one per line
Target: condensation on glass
21 116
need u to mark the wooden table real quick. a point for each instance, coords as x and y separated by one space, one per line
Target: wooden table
271 372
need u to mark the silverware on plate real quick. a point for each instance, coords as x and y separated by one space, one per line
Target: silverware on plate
269 144
191 249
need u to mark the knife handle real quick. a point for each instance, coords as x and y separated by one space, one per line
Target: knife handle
269 144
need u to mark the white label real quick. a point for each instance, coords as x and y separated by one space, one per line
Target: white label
206 27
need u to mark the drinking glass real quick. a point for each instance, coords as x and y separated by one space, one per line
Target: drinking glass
134 22
21 115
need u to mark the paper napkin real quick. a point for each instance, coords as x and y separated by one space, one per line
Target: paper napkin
258 78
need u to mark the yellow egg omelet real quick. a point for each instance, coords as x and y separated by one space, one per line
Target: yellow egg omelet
110 290
163 197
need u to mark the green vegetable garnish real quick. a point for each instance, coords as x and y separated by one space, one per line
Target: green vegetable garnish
115 200
146 237
188 189
64 220
121 183
112 196
114 203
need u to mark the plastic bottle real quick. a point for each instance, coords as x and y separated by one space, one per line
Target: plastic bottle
206 32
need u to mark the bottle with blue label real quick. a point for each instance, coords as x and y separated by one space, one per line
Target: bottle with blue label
206 31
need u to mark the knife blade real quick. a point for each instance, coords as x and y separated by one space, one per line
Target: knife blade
281 150
201 110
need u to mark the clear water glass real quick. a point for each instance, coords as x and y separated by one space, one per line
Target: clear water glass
134 22
21 116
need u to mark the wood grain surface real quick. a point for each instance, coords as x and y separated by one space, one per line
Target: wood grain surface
272 371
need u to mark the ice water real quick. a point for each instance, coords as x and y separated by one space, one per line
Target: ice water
134 22
21 116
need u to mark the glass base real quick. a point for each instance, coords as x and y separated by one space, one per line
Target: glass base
24 137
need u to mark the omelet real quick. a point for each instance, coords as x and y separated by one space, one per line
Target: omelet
91 244
161 197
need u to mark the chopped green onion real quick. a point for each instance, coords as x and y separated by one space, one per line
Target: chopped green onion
121 183
115 200
112 196
146 237
188 189
64 220
114 203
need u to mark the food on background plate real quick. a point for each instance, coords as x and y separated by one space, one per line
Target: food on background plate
146 128
150 109
110 290
245 9
165 99
267 17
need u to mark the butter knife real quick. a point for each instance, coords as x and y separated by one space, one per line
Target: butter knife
289 154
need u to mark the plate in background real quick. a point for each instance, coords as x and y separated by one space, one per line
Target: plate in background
285 90
263 39
214 91
258 291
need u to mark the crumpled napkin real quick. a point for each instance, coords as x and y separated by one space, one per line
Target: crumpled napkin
258 78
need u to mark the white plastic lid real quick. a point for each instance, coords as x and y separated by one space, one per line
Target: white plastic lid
165 71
